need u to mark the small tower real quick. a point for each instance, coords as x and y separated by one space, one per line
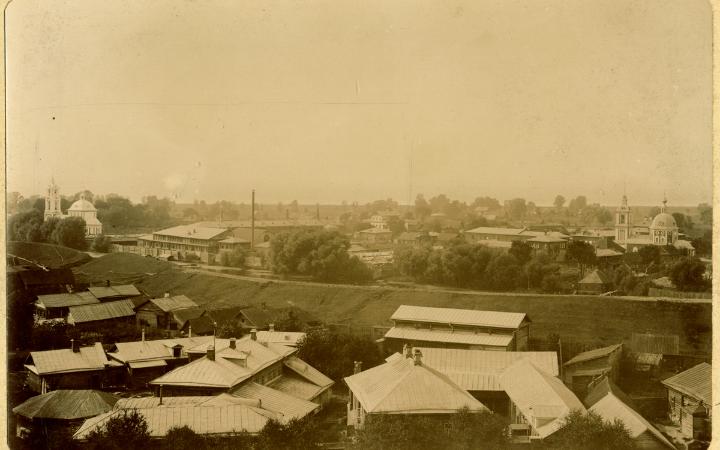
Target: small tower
622 222
52 201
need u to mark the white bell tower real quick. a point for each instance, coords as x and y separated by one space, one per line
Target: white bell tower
52 201
622 222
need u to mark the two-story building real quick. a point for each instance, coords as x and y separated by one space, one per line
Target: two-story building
422 326
183 241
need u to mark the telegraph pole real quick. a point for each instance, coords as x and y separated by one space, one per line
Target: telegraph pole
252 221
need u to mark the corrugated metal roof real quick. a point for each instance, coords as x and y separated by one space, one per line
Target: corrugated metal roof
123 290
603 352
202 419
146 364
307 371
66 405
412 334
695 382
168 304
281 337
655 343
193 231
290 407
611 408
66 300
65 360
402 387
539 396
100 311
183 315
495 319
296 386
480 370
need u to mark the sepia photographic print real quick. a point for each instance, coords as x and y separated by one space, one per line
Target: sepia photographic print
360 225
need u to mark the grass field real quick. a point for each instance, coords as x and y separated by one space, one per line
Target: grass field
49 255
584 319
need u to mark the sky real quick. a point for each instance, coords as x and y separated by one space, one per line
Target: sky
340 100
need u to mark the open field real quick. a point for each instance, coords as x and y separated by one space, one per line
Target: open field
584 319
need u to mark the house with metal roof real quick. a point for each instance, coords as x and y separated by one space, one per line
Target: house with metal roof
108 292
539 401
222 415
580 371
165 311
610 403
61 409
690 401
57 306
421 326
481 234
479 371
183 240
404 385
70 368
227 365
146 360
98 315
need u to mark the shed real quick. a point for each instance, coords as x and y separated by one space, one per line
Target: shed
580 371
690 400
596 282
120 311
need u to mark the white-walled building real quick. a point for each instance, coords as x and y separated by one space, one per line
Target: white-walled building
81 208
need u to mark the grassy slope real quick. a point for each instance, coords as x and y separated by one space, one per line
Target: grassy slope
587 319
54 256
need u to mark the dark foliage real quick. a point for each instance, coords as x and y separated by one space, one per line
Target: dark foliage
334 354
101 243
688 274
128 430
590 432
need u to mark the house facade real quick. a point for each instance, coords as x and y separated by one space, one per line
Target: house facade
689 395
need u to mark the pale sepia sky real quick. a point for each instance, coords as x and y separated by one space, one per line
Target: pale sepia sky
360 100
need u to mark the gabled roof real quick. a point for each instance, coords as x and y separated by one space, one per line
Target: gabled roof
401 387
481 370
493 319
610 403
307 371
655 343
288 406
66 300
65 360
183 315
123 290
66 405
543 399
593 354
695 382
228 369
470 338
193 231
605 387
100 311
256 316
595 277
168 304
292 338
200 325
155 349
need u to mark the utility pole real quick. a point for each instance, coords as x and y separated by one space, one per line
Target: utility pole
252 221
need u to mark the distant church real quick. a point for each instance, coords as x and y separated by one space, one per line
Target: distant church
662 231
81 208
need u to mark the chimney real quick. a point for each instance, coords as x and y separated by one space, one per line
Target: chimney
143 334
167 295
211 353
418 357
252 221
253 334
75 346
189 331
160 395
358 367
232 343
407 350
271 327
107 283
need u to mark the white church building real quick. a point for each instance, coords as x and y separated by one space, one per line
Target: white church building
662 231
81 208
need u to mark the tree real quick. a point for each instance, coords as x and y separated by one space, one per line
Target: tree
298 434
396 225
516 208
577 204
503 273
478 430
683 222
538 267
559 201
706 213
70 232
26 226
47 229
521 251
183 438
703 245
334 354
582 253
102 243
649 255
234 258
289 322
688 274
590 432
603 216
125 430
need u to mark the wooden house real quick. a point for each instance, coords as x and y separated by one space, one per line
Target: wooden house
161 312
650 351
585 367
57 306
596 282
99 315
421 326
690 401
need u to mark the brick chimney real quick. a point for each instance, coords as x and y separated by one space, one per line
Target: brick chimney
407 351
253 334
232 343
418 357
75 346
143 334
211 353
358 367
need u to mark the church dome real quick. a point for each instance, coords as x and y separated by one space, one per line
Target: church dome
82 205
663 221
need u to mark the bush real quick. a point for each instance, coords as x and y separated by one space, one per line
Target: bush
235 258
334 354
191 257
590 432
102 243
126 430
